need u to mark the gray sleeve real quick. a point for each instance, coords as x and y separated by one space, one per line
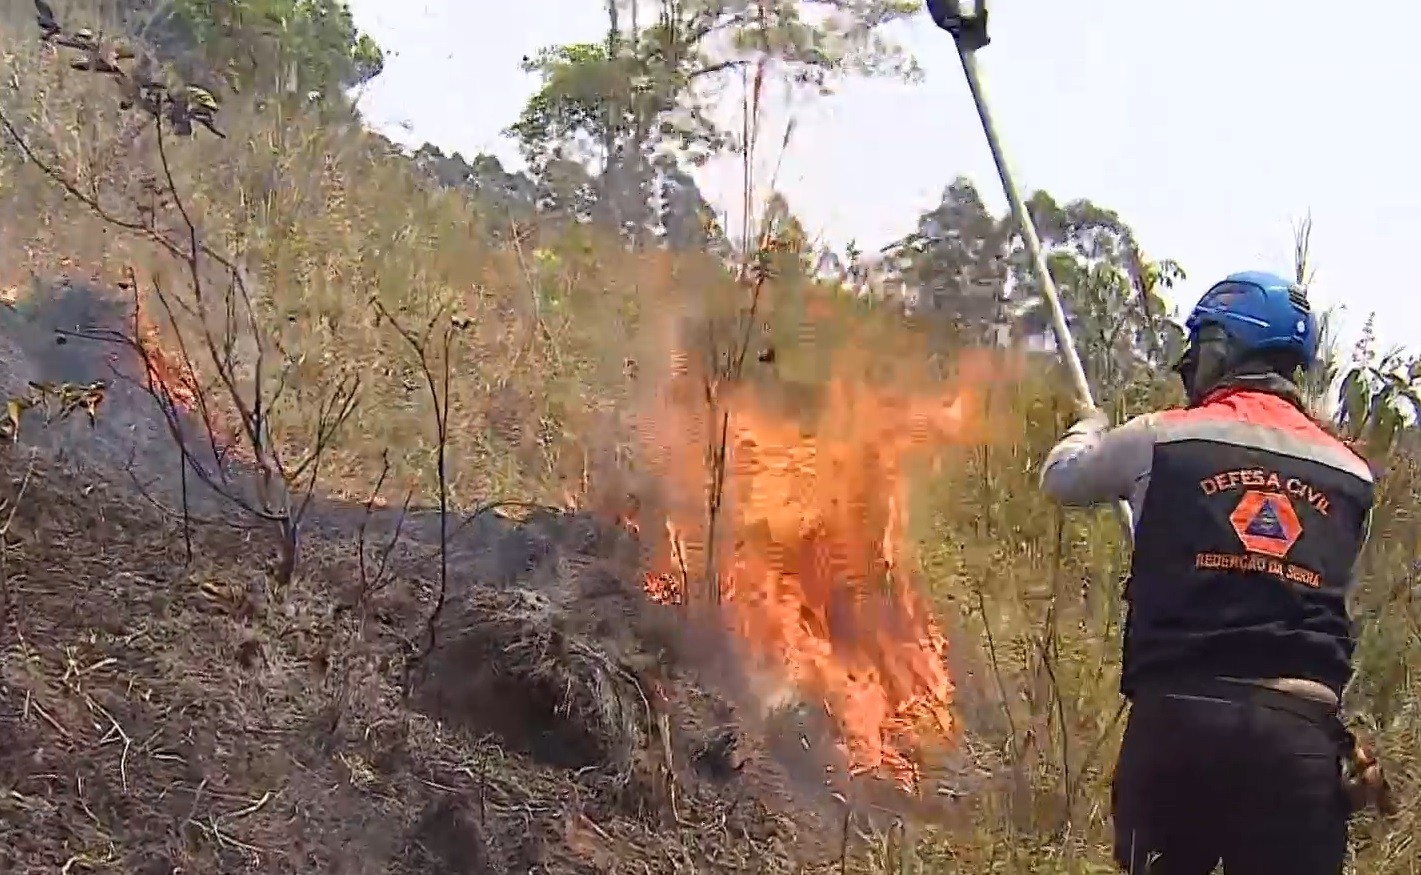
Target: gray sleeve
1094 464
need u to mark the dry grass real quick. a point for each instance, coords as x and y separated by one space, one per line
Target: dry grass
324 221
162 712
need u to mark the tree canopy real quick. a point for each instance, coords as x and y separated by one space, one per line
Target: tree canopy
302 46
653 86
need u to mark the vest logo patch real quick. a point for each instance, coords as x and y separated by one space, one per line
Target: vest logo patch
1266 523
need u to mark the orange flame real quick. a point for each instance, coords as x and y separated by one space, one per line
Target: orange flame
812 563
172 378
167 373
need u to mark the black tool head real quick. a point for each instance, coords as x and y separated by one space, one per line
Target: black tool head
966 21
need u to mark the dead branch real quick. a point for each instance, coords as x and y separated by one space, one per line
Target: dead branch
284 487
438 387
726 367
372 580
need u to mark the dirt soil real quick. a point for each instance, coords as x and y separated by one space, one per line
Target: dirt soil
165 708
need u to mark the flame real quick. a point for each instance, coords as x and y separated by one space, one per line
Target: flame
811 558
169 373
171 378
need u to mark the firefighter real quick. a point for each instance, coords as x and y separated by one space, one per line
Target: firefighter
1249 518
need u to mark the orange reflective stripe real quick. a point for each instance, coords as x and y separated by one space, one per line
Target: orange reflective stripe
1262 420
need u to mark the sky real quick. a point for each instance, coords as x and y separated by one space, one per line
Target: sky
1213 127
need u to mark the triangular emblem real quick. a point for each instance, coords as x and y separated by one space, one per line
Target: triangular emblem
1265 523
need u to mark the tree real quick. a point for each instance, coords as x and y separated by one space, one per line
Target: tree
956 260
685 219
1379 396
1371 401
298 46
566 191
972 269
503 193
651 86
784 240
1110 290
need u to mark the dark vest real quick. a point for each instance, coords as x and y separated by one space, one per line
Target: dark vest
1245 547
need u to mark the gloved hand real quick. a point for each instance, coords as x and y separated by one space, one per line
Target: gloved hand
1091 423
1363 780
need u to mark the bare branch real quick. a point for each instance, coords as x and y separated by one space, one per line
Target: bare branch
438 387
207 319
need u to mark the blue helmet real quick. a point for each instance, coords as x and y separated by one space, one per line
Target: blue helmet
1259 311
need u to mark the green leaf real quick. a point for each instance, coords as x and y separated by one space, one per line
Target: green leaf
1352 402
1384 431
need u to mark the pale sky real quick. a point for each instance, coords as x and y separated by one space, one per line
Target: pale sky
1212 126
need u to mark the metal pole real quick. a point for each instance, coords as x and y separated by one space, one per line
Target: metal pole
1064 342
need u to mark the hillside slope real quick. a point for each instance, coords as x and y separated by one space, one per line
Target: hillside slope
161 715
167 706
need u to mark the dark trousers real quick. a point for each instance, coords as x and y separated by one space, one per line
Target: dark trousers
1202 779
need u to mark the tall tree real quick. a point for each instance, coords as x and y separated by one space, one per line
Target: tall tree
1111 292
652 86
956 259
972 269
300 46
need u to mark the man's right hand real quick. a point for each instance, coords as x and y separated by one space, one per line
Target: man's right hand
1364 781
